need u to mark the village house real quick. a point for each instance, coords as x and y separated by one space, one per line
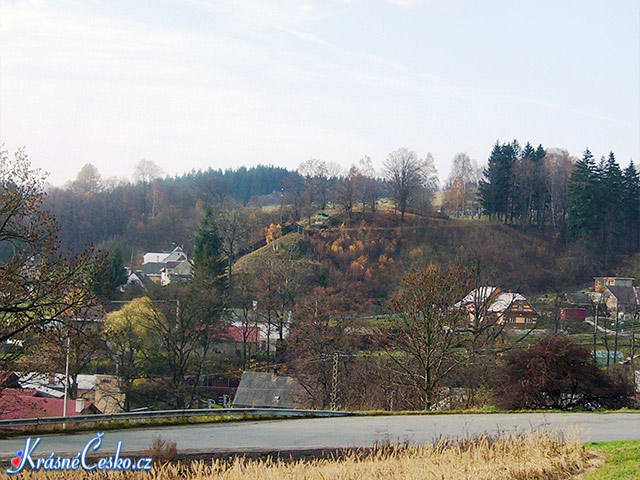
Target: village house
163 267
619 295
490 304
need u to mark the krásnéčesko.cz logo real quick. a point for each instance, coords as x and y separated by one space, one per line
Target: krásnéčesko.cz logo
24 459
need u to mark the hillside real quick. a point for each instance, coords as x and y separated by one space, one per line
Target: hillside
377 251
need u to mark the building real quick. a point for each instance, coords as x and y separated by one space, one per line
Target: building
175 271
601 283
153 263
573 314
268 390
492 305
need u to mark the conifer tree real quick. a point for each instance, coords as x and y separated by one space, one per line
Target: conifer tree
582 206
631 205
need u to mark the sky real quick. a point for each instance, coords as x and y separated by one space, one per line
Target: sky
193 84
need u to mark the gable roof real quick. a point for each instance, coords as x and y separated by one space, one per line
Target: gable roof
24 403
504 301
625 295
258 389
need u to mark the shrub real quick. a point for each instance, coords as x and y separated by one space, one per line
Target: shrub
162 451
557 373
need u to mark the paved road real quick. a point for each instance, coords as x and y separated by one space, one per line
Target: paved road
317 433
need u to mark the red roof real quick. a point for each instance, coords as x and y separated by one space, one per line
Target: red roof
23 403
242 334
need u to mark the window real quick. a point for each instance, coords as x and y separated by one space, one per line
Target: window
512 320
529 320
520 308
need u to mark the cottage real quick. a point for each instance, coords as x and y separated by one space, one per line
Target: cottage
490 304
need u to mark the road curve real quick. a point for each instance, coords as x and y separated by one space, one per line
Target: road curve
332 433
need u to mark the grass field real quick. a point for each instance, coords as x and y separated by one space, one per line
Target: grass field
621 460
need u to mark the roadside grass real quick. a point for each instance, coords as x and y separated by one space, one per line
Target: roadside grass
537 455
621 460
128 424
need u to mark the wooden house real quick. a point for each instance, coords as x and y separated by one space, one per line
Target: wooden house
490 304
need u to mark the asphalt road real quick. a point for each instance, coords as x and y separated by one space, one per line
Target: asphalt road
331 433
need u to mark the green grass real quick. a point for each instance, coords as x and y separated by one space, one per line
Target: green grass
622 460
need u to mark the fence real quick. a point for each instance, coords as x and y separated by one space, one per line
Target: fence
148 415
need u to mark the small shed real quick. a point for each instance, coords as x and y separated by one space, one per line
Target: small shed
574 314
267 390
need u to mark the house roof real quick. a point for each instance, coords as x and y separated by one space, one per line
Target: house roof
477 296
152 268
24 403
237 334
625 295
258 389
504 301
500 301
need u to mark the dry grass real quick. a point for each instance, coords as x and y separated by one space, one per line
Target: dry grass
536 455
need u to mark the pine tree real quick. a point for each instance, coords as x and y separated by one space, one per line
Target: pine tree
582 207
611 201
209 265
496 189
631 205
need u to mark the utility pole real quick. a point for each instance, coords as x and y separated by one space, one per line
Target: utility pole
334 386
66 381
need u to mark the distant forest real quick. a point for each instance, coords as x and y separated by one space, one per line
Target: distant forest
582 203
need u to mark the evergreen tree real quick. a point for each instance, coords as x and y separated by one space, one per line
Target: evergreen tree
209 265
582 206
631 205
610 199
496 189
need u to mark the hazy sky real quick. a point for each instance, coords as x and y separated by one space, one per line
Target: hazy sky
196 83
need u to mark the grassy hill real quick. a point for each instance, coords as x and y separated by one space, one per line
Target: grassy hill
378 251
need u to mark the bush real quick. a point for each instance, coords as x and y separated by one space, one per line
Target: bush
557 373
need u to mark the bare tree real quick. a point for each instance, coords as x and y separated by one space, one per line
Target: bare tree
147 172
463 179
406 175
557 167
233 228
371 189
348 190
39 284
316 175
427 333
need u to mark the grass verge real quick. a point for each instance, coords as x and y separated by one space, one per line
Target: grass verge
621 460
126 424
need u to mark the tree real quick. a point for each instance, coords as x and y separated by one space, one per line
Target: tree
406 175
496 188
88 179
146 172
39 283
316 178
112 276
127 342
325 330
348 188
630 201
583 208
426 336
207 248
233 229
463 182
557 169
554 372
371 188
